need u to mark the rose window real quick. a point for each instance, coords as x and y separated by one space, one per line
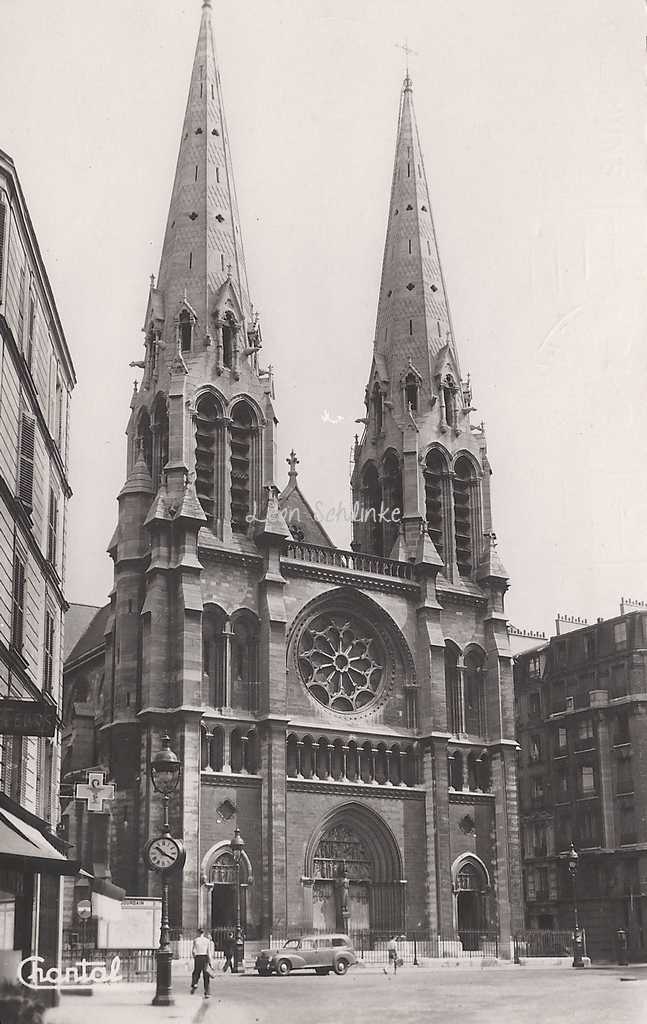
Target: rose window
341 663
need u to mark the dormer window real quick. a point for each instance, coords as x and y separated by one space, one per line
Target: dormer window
449 389
185 330
228 333
411 392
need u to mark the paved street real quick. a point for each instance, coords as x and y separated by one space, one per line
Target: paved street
500 995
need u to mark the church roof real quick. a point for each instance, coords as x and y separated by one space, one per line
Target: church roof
77 619
139 479
203 242
413 311
92 637
298 513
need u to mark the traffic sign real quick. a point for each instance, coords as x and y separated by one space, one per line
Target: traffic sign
83 910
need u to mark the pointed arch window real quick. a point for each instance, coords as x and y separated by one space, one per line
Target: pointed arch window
436 499
474 683
242 466
185 330
160 430
244 658
391 500
378 408
215 690
145 438
228 336
371 505
453 689
464 482
411 391
208 417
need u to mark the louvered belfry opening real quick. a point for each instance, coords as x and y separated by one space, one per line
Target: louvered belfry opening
435 473
463 486
145 439
161 439
392 499
208 416
241 429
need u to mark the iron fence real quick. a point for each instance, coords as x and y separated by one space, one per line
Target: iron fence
413 946
533 943
135 964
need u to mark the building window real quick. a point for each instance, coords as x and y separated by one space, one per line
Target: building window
621 729
228 334
12 767
620 636
586 780
48 658
588 827
562 786
624 774
412 708
585 733
31 320
537 791
627 823
391 500
534 705
589 646
535 748
561 739
58 425
26 461
18 600
52 524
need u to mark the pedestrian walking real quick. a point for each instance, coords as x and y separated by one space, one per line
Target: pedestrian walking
202 952
392 949
229 948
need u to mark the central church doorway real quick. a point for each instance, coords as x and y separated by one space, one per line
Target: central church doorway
356 871
470 888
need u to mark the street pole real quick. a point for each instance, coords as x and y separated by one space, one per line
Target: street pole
164 986
237 846
573 864
238 935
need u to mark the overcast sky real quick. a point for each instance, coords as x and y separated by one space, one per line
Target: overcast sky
532 124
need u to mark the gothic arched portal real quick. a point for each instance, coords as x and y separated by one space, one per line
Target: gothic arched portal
354 866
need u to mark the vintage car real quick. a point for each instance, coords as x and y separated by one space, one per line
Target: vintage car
320 953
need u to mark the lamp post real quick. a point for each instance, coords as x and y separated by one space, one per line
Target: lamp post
573 858
237 846
165 770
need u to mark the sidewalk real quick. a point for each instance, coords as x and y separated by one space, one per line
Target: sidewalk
130 1002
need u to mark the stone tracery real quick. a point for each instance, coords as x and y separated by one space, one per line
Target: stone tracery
338 659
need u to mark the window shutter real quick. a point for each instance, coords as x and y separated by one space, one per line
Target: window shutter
52 525
2 259
48 666
26 468
18 601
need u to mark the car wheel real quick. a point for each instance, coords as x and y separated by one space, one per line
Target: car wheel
322 970
283 968
341 966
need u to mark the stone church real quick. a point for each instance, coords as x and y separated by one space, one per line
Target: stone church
351 711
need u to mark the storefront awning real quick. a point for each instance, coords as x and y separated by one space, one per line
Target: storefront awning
26 843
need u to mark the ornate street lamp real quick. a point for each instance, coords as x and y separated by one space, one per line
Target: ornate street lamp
237 846
572 859
165 855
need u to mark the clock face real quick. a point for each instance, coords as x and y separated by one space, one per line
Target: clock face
163 853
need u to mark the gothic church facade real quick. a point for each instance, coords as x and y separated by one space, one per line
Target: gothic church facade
351 711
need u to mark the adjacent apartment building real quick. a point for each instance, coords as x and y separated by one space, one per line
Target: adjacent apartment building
36 381
581 707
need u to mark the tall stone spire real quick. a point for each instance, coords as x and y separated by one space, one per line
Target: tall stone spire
413 319
203 246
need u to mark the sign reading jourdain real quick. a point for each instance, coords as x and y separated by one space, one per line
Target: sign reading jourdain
27 718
